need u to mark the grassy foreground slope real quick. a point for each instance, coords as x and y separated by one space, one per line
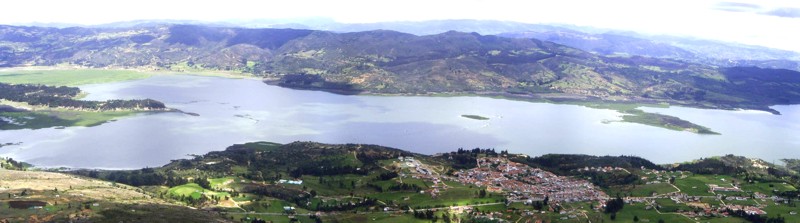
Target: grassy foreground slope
73 198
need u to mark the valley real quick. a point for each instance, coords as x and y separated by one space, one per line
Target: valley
429 121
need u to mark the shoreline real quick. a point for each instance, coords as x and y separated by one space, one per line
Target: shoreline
628 109
188 157
554 98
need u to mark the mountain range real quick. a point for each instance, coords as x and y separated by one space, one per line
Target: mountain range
391 62
597 40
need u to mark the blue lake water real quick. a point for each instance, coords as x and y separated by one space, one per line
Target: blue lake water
243 110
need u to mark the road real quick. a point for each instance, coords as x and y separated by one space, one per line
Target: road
335 213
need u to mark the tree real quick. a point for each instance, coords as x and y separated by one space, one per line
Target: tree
613 216
482 193
614 205
661 221
203 182
537 205
635 218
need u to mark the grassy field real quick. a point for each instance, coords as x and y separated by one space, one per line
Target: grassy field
194 190
190 190
664 121
630 210
725 220
697 185
63 76
221 182
633 114
69 77
376 217
711 201
272 206
645 190
335 188
54 118
198 69
767 187
783 210
748 202
668 205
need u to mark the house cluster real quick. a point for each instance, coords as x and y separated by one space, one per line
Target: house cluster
700 208
606 169
747 209
718 188
660 176
295 182
522 182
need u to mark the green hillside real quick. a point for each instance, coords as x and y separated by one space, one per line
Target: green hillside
315 182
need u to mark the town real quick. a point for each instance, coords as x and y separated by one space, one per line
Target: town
523 183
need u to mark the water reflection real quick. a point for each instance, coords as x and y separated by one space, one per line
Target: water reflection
241 110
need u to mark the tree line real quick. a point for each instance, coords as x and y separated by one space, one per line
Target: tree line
467 159
63 97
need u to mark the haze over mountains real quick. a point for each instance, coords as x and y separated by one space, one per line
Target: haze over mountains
598 40
601 66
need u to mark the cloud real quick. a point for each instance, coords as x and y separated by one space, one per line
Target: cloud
736 7
784 12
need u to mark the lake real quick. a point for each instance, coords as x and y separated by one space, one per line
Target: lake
244 110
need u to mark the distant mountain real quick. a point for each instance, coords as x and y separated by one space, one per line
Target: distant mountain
160 22
607 43
692 50
389 62
597 40
485 27
604 41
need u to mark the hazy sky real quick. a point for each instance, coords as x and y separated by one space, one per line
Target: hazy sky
772 23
